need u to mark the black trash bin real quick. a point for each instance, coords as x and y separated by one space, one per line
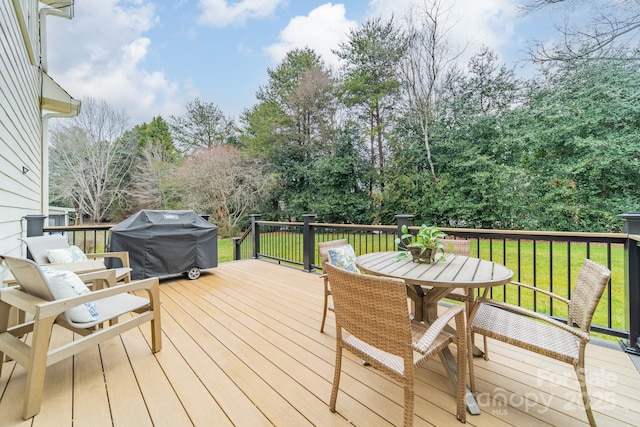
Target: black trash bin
165 243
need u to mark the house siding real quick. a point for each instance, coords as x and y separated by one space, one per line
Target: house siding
20 125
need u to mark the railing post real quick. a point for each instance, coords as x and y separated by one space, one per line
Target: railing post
403 219
308 242
632 281
236 249
255 231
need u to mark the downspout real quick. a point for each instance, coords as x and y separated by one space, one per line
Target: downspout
44 12
44 127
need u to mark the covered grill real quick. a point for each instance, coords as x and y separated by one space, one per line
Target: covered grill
163 243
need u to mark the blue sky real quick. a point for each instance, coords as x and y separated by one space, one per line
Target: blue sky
150 57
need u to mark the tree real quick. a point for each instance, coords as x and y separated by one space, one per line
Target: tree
480 166
149 185
581 129
156 132
371 82
478 181
303 91
428 57
610 32
153 181
222 181
293 126
90 159
203 125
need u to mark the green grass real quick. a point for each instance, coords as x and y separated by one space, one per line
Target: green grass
225 250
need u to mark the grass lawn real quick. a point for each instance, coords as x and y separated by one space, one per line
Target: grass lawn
225 250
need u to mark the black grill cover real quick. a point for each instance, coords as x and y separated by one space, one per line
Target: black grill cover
162 243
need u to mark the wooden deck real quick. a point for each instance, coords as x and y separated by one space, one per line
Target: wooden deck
241 347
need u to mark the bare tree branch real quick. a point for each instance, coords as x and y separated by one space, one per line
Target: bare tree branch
610 33
429 56
221 181
90 160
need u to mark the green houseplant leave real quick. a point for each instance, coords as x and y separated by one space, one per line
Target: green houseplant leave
422 246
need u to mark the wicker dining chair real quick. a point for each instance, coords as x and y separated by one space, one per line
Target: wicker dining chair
372 322
323 251
542 334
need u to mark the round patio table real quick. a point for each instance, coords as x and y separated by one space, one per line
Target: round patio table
427 284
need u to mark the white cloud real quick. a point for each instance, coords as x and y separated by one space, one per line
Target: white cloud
99 53
219 13
321 30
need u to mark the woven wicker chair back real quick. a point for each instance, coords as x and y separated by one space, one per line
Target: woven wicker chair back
460 247
373 309
592 279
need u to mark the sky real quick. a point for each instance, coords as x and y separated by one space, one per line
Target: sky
150 57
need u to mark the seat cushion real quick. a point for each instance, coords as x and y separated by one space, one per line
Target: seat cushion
66 255
344 257
66 284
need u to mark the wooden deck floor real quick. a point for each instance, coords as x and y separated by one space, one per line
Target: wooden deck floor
241 347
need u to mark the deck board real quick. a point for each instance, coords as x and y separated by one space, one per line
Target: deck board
241 346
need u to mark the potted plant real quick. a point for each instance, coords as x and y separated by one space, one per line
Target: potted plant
423 245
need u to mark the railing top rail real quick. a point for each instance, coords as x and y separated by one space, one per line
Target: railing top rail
535 233
563 235
78 227
355 226
279 223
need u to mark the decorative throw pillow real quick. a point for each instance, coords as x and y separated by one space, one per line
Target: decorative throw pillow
65 284
65 255
344 257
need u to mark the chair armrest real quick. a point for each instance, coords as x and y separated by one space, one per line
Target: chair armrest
123 256
32 304
42 309
438 326
542 291
21 300
325 277
534 315
104 278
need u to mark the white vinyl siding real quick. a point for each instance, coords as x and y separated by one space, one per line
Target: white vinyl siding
27 16
20 124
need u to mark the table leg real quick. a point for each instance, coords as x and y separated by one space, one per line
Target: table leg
430 304
449 363
416 294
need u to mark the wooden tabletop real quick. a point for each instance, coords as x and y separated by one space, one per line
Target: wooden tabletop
456 271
